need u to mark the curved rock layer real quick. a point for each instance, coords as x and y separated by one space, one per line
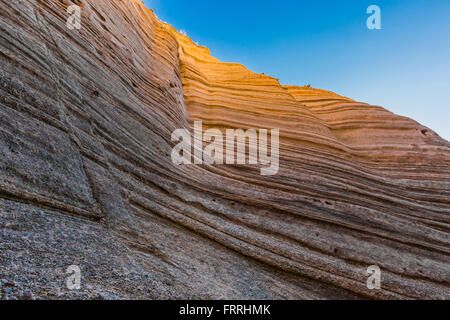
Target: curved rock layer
87 178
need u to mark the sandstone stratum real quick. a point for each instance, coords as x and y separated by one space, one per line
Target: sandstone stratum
86 176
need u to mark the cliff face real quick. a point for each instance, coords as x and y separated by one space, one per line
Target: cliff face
87 178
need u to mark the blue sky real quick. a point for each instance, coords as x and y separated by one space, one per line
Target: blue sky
405 67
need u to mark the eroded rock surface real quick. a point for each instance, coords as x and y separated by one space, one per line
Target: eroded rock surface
87 179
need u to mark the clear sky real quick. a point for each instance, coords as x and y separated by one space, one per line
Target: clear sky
404 67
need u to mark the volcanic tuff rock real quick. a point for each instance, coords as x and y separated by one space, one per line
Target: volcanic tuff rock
86 176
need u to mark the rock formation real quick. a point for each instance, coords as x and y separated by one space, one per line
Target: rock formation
86 176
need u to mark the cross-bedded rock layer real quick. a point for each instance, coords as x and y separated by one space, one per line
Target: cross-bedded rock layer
86 174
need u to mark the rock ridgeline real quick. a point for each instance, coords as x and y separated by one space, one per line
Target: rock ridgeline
86 176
